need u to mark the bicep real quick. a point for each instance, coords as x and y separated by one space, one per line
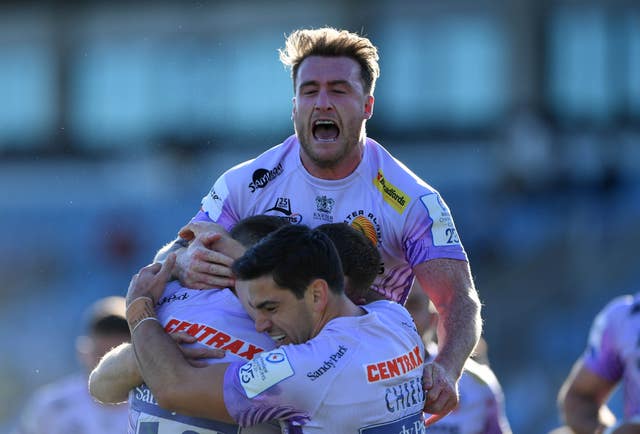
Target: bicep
582 383
444 279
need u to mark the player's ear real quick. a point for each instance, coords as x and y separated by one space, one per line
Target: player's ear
293 108
319 294
368 107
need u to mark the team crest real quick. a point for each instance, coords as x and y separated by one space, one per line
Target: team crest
324 207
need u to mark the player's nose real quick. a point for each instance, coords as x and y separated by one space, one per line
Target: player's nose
263 324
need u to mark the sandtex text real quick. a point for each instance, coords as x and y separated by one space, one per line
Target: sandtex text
214 338
328 364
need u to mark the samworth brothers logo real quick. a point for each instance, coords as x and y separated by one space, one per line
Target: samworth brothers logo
262 177
390 193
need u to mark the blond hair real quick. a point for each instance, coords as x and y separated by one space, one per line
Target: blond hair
331 42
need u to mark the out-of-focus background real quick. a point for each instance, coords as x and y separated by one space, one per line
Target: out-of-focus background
116 117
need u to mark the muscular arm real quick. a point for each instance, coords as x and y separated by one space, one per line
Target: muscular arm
115 375
449 285
176 385
582 401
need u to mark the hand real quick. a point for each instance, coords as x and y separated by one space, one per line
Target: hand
151 280
206 262
195 355
441 391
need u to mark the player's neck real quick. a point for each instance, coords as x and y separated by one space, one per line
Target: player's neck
336 170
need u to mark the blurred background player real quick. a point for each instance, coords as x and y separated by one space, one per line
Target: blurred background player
481 407
612 357
65 406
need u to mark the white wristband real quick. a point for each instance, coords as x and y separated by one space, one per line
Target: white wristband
143 320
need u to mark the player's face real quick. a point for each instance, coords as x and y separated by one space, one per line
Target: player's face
330 109
277 311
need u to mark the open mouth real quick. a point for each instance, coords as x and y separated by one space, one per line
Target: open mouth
325 130
278 339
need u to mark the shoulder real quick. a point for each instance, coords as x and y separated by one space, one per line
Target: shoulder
388 168
265 167
617 312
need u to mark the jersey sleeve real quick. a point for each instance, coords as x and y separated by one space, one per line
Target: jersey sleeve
430 232
602 355
277 384
218 205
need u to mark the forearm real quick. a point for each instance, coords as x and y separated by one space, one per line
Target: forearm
176 385
584 416
459 329
449 285
115 375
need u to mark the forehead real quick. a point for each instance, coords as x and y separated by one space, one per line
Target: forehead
263 289
325 69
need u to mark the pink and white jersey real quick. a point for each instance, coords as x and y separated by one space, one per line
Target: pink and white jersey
613 351
360 374
66 407
216 318
404 216
481 407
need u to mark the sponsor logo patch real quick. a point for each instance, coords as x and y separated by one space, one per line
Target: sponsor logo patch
212 202
266 370
413 424
283 206
392 368
327 364
261 177
390 193
443 231
214 338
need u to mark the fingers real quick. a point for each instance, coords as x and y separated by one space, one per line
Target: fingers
434 418
441 391
205 281
200 353
182 338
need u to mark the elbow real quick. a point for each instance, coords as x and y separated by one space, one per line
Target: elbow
102 393
171 395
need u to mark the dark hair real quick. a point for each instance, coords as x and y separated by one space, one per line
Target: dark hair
294 255
250 230
106 316
359 256
331 42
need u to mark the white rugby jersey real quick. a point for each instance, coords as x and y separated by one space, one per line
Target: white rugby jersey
613 351
65 407
360 374
216 318
404 216
481 406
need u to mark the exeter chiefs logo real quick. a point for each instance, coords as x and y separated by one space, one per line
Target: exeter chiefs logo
366 223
